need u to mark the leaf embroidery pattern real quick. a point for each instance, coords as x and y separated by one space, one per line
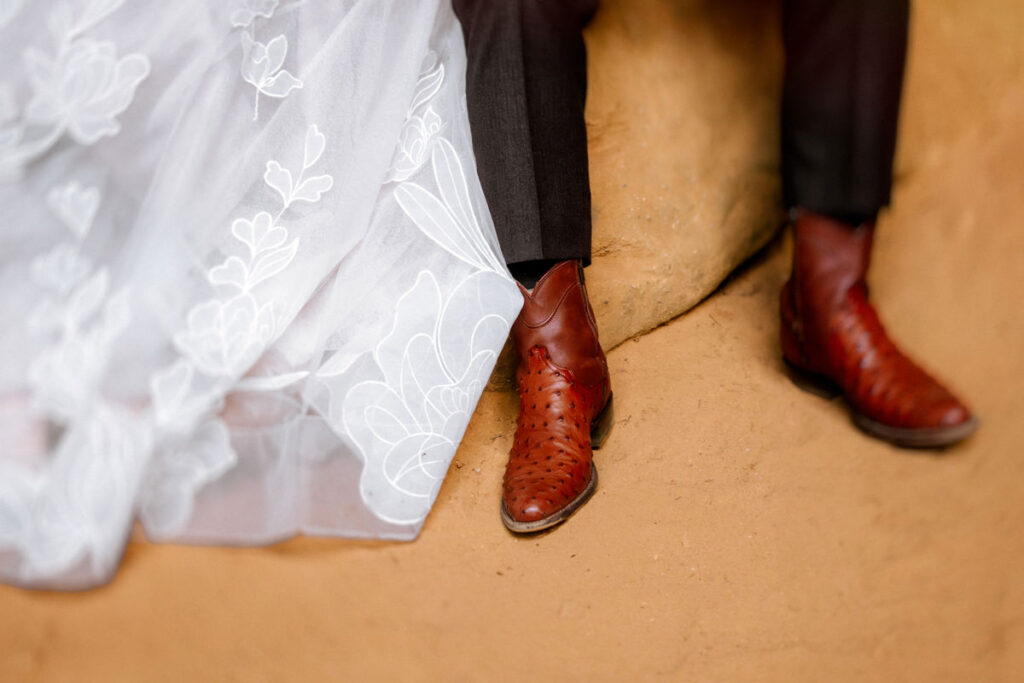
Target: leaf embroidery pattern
223 338
301 188
226 335
447 218
408 424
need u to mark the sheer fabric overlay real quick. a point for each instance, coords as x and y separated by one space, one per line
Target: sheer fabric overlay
248 280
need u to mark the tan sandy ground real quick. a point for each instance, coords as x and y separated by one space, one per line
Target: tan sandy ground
742 531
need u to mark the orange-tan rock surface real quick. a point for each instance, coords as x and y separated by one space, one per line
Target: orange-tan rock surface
682 120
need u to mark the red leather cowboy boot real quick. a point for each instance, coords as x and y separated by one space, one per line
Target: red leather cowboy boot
565 406
832 339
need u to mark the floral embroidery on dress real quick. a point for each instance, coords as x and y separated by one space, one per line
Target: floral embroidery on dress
80 90
76 319
74 508
83 90
449 220
250 9
261 67
77 504
422 124
224 337
408 425
191 443
262 62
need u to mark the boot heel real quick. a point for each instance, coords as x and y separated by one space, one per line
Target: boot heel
810 382
602 425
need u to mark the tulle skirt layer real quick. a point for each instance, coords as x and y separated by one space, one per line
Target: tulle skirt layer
248 282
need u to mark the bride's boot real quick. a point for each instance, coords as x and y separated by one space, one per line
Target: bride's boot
565 406
832 338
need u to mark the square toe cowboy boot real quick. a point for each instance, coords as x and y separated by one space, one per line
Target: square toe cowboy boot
565 406
833 340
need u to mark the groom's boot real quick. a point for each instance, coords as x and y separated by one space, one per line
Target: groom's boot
832 338
565 406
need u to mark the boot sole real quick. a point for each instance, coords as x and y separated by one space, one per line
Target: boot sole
598 435
929 437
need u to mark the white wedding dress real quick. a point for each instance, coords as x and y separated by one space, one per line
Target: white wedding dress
249 286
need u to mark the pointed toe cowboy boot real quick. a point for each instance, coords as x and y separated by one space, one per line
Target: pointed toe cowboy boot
565 407
833 342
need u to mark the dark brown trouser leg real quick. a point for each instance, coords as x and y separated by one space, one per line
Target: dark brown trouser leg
526 88
840 104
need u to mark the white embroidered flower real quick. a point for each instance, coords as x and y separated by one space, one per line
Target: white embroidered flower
414 145
261 67
224 338
407 424
415 141
429 83
248 10
84 90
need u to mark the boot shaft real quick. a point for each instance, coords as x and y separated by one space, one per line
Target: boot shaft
829 258
557 315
